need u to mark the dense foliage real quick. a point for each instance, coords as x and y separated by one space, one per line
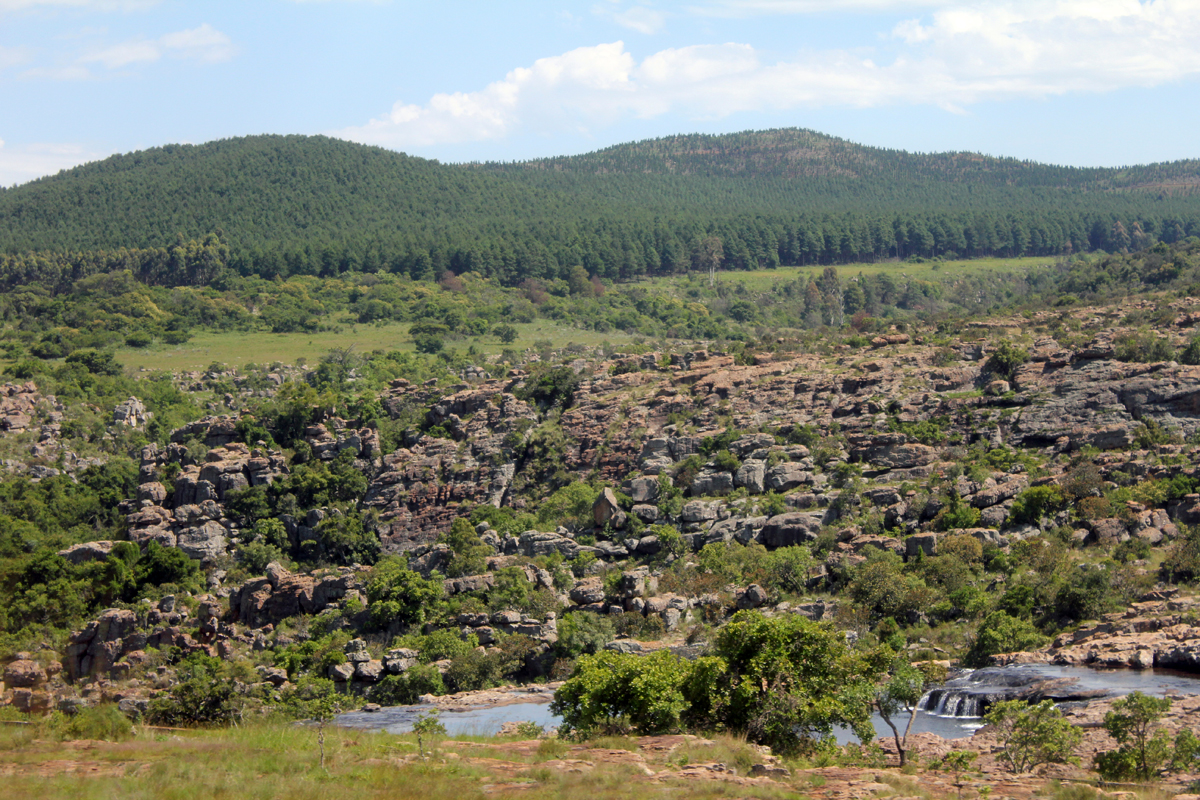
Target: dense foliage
292 205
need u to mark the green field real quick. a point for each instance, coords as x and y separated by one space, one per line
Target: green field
262 347
239 348
762 280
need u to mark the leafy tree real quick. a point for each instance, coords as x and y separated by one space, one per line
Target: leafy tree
470 553
1032 735
1006 358
550 388
608 690
787 680
398 596
900 693
505 333
1142 752
1001 633
582 633
204 696
1037 502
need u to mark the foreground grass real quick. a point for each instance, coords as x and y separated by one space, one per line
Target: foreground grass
283 761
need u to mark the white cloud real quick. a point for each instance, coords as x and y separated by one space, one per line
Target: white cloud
204 43
24 163
957 57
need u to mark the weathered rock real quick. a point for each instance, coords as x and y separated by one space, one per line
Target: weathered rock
795 527
588 590
752 476
88 551
786 476
754 596
24 674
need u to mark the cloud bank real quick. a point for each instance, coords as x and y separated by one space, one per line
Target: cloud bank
956 57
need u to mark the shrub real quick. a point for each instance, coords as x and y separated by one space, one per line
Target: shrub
647 690
583 633
406 689
1006 358
204 697
1141 753
1037 502
1001 633
470 553
104 722
1033 735
397 595
955 515
1182 563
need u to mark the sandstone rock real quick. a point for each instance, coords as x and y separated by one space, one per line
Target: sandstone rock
753 597
24 674
341 673
643 490
796 527
88 551
588 590
711 482
696 511
752 476
786 476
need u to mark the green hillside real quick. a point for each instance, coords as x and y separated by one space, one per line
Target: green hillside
314 205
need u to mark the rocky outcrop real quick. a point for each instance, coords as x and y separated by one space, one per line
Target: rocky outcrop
281 594
1158 633
420 488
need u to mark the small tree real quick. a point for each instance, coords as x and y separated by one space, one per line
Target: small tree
1006 358
1141 754
900 693
1032 735
428 728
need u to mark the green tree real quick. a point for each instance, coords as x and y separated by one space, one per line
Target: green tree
1001 633
1143 751
1032 735
470 553
398 596
505 333
608 691
1006 358
900 693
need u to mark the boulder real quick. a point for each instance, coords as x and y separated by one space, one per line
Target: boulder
24 674
795 527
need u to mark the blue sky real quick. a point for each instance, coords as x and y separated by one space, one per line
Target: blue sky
1083 82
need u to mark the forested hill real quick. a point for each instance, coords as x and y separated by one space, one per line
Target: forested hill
793 153
294 204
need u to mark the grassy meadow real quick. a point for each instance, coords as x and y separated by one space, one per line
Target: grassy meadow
237 348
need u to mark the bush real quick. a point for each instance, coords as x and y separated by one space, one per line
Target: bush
406 689
583 633
139 339
1037 502
607 686
1006 358
205 696
1141 753
470 553
1001 633
104 722
1035 735
1182 564
397 595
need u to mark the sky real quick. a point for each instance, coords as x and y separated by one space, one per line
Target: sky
1078 82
